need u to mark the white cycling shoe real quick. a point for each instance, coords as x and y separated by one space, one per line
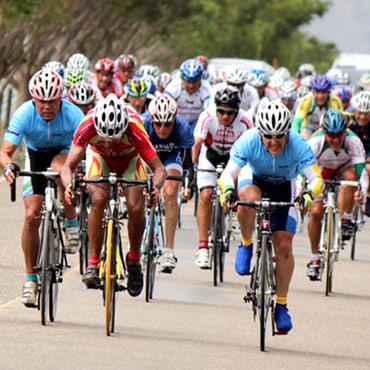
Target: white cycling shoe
203 258
168 261
29 293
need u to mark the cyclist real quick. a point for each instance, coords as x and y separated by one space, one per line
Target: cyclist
304 70
171 135
361 126
137 94
236 76
344 93
271 157
117 143
190 91
312 106
339 152
289 95
104 78
125 66
47 124
258 78
163 80
83 95
217 129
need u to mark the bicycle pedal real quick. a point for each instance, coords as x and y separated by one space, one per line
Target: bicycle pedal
121 288
281 332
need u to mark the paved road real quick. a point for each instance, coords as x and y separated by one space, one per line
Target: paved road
190 324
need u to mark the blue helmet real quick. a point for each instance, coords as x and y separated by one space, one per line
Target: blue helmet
257 77
191 70
320 83
333 121
344 92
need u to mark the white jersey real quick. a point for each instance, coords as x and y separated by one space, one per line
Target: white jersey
190 106
217 136
249 97
270 93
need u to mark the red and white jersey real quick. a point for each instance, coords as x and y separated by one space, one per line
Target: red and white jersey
217 136
270 93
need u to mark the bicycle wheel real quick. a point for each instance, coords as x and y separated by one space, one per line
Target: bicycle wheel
216 235
329 249
109 278
181 206
45 269
196 200
264 303
150 262
83 224
223 239
355 229
56 262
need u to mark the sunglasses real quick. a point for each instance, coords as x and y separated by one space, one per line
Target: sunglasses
270 137
336 135
160 124
227 112
123 69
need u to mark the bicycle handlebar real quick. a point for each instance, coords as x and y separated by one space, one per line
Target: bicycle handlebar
265 203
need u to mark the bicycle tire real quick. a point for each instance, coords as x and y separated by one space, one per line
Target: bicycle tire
84 237
264 306
355 229
181 206
150 267
329 242
109 288
45 269
56 262
216 234
196 200
221 247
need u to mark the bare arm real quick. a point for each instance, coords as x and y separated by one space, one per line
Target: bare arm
196 149
159 172
74 157
6 154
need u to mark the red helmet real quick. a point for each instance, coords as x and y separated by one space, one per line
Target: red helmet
105 65
125 61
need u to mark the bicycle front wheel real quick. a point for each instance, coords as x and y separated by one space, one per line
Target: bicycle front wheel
355 229
217 240
45 268
83 224
150 262
329 249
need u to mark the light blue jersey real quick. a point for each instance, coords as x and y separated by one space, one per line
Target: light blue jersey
296 156
41 135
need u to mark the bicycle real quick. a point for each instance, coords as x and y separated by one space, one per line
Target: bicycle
262 289
358 221
221 229
51 260
180 201
112 268
330 236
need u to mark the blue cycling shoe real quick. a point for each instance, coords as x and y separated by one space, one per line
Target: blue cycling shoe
243 259
282 319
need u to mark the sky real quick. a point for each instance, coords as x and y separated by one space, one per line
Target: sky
346 23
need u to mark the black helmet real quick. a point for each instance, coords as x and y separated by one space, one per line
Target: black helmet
228 96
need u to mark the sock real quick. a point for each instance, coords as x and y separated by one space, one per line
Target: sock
247 242
31 276
94 260
203 244
281 299
134 256
73 222
315 256
347 215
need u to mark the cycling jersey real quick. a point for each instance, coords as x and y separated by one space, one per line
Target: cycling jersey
270 93
352 154
134 141
41 135
363 132
190 106
307 116
249 97
115 87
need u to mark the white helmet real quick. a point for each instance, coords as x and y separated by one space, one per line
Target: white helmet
361 101
81 93
276 81
46 85
306 69
273 118
283 72
78 61
111 117
236 74
162 109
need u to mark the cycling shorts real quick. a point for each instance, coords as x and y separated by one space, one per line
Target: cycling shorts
99 165
38 161
171 160
282 219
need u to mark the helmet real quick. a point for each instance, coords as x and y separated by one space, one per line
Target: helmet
191 70
320 83
257 77
288 90
164 79
78 61
203 61
125 61
228 96
81 93
236 75
283 72
75 75
273 118
276 81
55 66
306 69
344 92
105 65
136 87
361 101
163 108
150 82
111 117
46 85
333 121
147 70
